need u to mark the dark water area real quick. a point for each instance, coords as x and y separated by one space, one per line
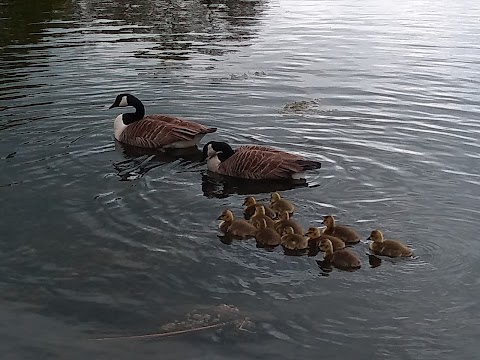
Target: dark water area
101 239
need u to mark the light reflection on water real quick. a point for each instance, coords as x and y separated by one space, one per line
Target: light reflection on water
108 239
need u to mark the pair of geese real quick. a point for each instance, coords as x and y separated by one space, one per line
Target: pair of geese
167 132
271 226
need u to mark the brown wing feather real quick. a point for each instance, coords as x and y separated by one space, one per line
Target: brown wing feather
260 162
155 131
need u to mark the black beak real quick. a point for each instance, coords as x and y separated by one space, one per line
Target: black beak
369 238
115 104
219 218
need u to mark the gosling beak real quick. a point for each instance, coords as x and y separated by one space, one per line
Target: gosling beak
369 238
219 218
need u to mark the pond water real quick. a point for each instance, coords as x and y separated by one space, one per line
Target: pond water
99 239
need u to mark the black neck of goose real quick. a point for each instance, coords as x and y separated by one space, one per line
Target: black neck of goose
139 111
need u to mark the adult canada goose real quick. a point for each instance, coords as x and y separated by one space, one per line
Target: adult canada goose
292 241
237 228
279 204
344 233
342 259
255 162
249 209
260 215
390 248
266 237
285 222
314 236
154 131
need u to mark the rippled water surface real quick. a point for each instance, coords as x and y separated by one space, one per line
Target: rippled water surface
98 239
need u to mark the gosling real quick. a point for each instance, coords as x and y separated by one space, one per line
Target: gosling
237 228
341 259
249 209
344 233
390 248
265 236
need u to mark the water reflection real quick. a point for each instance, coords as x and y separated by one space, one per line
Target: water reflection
140 160
218 186
176 29
23 22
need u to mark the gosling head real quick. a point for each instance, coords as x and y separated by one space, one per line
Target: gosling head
275 196
259 210
226 215
325 245
328 221
288 231
284 215
313 232
376 236
249 201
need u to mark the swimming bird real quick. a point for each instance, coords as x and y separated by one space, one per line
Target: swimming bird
279 204
154 131
260 215
342 259
285 222
265 236
255 162
237 228
344 233
314 236
249 209
292 241
390 248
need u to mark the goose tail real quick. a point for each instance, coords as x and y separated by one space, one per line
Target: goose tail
309 164
209 130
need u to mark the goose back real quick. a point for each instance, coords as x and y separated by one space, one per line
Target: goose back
156 131
261 162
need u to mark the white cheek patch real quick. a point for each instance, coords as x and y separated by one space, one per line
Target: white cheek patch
210 151
213 163
123 102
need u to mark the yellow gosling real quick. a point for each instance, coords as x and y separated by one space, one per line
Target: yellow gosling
344 233
285 222
390 248
292 241
341 259
237 228
260 214
314 236
249 209
278 204
266 237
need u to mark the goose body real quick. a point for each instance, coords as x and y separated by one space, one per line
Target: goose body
315 236
237 228
390 248
255 162
154 131
266 237
342 259
344 233
249 209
